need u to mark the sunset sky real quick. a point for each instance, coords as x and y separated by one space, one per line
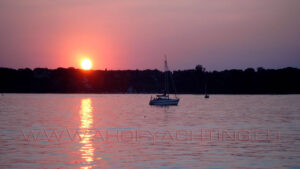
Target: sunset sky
135 34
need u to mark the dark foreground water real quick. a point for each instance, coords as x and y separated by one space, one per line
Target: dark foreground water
123 131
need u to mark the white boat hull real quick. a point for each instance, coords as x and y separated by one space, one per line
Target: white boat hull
164 102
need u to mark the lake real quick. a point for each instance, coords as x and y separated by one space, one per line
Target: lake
123 131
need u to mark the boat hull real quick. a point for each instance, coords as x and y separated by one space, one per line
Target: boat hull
164 102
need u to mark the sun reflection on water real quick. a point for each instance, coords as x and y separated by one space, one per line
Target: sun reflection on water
86 118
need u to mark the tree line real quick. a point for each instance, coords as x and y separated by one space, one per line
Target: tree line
193 81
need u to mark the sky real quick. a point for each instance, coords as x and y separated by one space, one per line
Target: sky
136 34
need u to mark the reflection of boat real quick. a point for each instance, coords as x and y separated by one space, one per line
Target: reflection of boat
164 99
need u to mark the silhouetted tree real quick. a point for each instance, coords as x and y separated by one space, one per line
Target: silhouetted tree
71 80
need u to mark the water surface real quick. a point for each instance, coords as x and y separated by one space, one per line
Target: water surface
123 131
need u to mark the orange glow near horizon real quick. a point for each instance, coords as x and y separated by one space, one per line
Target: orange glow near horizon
86 64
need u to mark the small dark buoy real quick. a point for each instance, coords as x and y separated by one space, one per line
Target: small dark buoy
206 96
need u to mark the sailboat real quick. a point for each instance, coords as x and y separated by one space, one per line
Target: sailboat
206 94
165 99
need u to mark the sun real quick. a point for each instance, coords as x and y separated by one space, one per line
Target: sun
86 64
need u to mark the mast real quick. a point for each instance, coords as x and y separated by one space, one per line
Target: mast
166 77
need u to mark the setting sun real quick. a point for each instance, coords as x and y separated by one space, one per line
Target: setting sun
86 64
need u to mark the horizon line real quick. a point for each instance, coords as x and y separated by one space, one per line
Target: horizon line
255 69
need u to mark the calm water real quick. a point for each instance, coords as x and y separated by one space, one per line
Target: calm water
123 131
